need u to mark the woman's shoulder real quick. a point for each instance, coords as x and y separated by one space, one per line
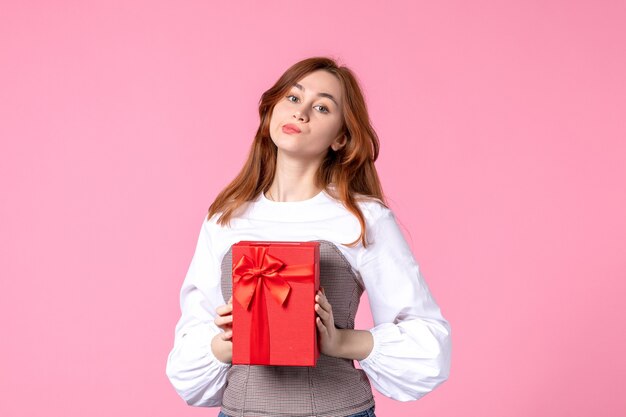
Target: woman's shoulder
372 207
214 219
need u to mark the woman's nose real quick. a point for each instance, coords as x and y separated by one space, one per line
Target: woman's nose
300 115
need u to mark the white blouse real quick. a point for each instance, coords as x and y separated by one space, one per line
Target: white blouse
412 340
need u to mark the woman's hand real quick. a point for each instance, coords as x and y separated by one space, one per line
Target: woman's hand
222 345
340 343
330 336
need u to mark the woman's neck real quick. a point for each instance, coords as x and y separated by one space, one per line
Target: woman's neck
294 180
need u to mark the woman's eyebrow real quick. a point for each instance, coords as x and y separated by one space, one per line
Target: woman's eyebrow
298 86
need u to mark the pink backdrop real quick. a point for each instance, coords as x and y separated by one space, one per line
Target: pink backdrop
503 155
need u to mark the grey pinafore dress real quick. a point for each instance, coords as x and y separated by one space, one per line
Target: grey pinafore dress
334 388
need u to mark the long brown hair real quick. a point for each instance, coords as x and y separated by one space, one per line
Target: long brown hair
350 169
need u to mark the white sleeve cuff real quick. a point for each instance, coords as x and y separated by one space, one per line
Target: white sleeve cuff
195 373
409 359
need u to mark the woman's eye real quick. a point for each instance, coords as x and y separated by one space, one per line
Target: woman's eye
295 99
323 109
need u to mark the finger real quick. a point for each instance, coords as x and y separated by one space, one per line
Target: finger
323 301
224 309
324 315
321 327
230 300
224 326
224 320
319 297
227 335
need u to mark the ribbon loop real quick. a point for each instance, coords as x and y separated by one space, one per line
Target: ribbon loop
247 273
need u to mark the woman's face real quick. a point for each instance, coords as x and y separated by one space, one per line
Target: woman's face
308 119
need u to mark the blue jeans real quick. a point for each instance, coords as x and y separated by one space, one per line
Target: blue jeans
366 413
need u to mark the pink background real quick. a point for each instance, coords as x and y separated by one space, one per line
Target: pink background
503 155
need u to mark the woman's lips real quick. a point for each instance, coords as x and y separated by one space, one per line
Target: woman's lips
290 128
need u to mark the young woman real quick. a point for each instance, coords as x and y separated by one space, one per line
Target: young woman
310 176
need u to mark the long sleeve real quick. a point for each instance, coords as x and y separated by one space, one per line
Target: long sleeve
196 374
412 340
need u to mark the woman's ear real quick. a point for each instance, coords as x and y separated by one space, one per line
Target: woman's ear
339 143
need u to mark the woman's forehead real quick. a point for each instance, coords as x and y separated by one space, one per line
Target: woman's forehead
321 83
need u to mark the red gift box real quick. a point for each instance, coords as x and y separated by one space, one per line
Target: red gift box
274 287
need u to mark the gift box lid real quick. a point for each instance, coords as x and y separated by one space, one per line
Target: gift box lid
270 242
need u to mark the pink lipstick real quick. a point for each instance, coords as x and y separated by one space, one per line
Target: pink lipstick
291 128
